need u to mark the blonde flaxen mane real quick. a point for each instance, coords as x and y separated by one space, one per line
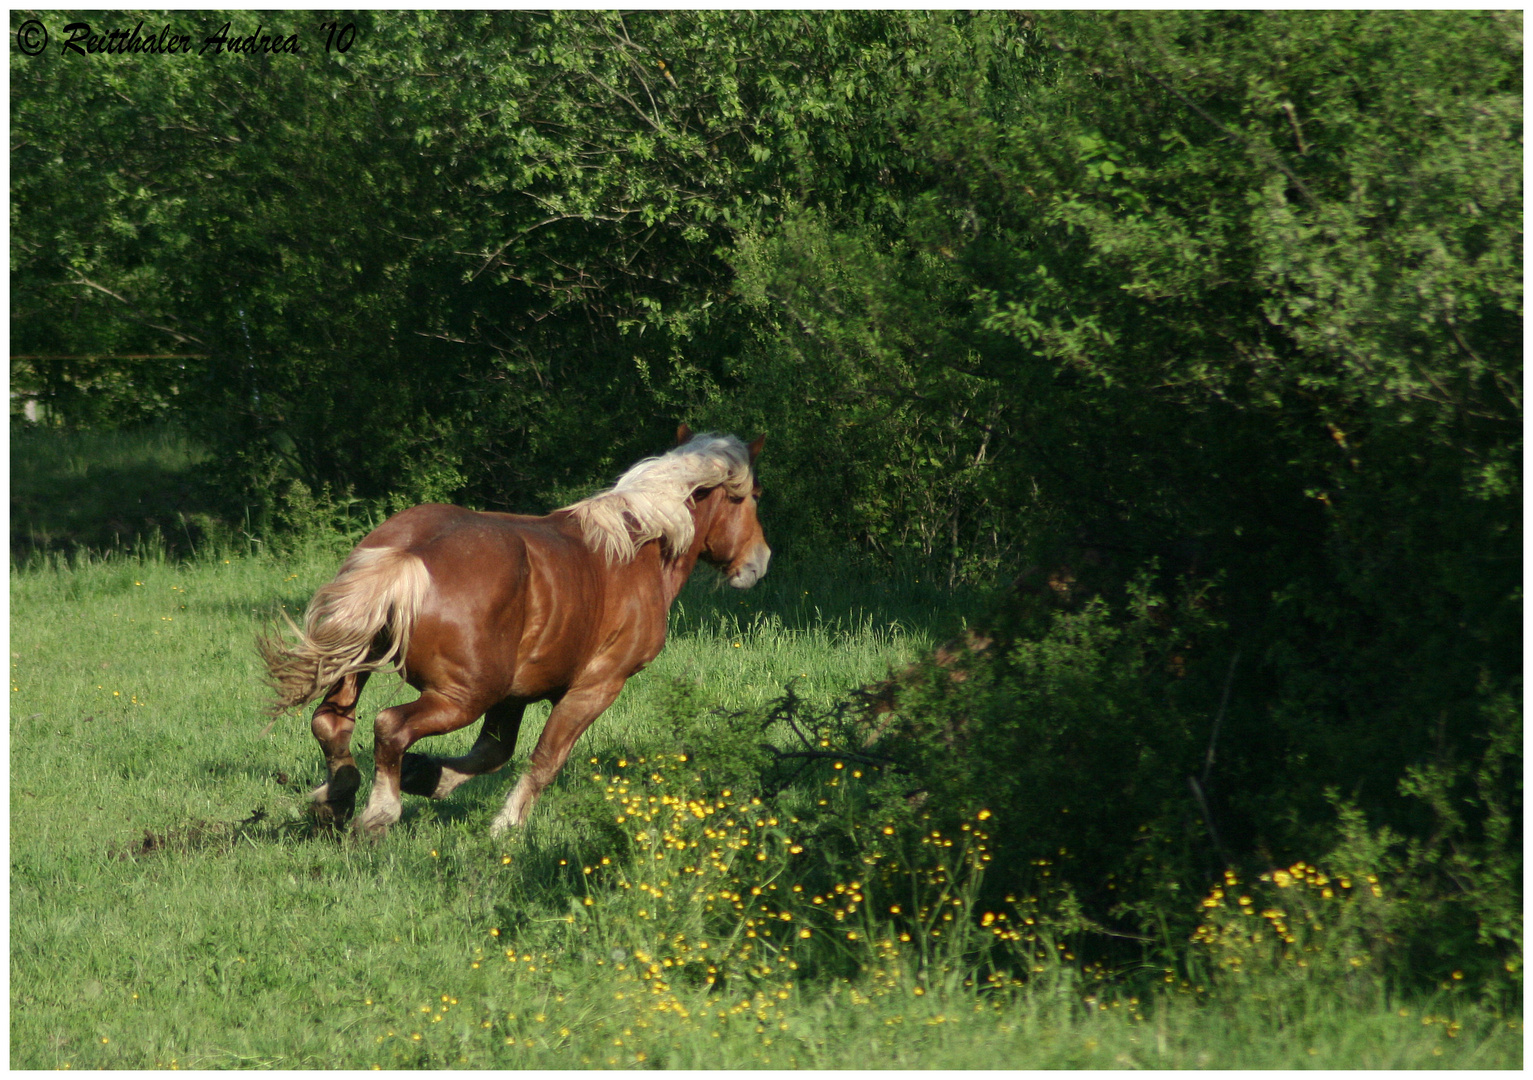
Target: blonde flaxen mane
651 500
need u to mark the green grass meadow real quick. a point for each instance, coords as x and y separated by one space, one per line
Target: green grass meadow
172 907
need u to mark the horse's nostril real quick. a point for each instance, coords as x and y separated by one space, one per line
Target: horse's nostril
753 569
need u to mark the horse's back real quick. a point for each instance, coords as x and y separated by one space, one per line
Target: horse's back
423 528
443 536
507 591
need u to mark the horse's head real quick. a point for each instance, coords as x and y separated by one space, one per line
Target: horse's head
731 533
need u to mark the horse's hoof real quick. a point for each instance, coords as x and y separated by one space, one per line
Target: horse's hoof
510 817
376 819
330 812
334 801
420 775
329 815
374 831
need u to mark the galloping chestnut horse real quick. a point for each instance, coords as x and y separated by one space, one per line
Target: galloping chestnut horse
485 612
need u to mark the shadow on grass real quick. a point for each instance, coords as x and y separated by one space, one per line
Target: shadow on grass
106 491
811 592
261 828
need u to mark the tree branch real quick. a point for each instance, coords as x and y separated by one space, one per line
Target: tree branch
137 314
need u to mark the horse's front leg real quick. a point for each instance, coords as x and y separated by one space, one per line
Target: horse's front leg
436 778
567 722
395 731
332 724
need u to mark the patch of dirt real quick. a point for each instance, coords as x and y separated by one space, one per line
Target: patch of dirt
216 836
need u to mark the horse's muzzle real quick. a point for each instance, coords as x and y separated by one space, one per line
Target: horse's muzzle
752 569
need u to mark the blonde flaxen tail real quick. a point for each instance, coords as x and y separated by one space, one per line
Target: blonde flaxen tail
378 592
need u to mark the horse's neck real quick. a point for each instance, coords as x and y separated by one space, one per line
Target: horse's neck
674 574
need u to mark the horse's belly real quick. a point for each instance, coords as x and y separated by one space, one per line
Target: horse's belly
549 665
541 672
485 666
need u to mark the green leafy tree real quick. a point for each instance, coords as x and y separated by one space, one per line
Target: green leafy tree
475 254
1235 292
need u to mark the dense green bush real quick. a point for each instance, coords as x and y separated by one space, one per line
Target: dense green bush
1235 292
1109 741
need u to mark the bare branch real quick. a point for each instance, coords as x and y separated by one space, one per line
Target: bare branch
136 315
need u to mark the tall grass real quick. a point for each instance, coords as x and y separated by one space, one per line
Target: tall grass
172 907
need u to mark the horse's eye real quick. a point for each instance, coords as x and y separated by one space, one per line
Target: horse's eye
737 499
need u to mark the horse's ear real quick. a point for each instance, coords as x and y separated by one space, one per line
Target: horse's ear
683 433
755 447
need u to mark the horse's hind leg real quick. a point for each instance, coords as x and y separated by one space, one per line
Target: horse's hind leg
335 799
436 778
394 731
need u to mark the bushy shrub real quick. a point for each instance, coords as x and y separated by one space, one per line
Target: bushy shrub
745 866
1080 728
1103 734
